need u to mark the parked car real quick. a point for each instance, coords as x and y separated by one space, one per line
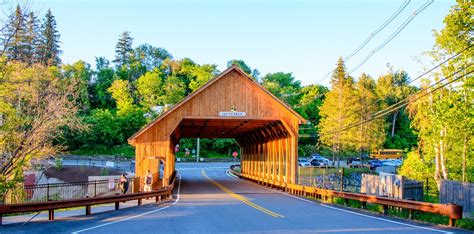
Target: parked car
319 162
319 157
303 162
374 163
391 162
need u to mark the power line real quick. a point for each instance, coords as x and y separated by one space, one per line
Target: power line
380 28
408 82
387 22
405 101
393 35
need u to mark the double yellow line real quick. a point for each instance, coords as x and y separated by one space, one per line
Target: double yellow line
242 198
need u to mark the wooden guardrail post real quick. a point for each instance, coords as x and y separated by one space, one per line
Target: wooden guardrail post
51 214
88 210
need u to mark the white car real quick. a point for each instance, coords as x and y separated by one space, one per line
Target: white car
318 158
303 162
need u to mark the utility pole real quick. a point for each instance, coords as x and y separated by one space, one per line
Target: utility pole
197 151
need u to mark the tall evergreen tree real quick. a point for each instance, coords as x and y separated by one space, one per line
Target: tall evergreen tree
338 111
124 50
49 49
14 40
32 38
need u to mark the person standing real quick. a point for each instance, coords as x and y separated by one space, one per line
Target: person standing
123 184
148 181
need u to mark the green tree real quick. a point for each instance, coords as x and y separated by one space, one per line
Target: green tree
338 111
284 86
175 90
123 50
370 135
15 41
80 73
150 89
246 68
33 39
121 94
392 88
49 49
103 77
201 75
445 117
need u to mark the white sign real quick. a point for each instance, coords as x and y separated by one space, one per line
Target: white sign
109 164
232 114
111 183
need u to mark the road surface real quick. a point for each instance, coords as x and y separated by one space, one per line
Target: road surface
209 200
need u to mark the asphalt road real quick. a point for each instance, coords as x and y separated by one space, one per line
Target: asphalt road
208 200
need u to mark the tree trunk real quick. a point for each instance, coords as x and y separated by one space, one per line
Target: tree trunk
394 120
464 156
442 151
437 166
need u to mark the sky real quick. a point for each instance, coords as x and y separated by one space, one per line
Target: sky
305 38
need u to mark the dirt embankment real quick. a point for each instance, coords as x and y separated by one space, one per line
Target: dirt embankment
79 173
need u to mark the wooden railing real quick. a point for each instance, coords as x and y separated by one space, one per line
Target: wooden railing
50 206
453 212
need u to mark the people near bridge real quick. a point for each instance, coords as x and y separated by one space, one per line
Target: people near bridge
123 184
148 181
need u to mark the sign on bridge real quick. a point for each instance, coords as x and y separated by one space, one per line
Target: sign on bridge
232 114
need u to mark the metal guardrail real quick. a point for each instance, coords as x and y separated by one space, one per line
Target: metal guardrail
50 206
453 212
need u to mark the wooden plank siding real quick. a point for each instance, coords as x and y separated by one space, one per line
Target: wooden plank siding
267 134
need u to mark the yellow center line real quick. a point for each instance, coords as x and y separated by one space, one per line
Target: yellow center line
242 198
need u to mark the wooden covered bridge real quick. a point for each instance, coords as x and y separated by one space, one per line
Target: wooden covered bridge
231 105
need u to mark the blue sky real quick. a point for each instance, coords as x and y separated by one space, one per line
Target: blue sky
302 37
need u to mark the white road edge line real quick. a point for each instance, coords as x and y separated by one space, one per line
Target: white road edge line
136 216
347 211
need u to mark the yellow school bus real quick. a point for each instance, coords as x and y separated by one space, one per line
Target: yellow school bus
386 154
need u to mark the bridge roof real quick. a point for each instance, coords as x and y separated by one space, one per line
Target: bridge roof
233 68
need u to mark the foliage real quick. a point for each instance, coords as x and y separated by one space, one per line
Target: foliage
58 164
36 104
445 118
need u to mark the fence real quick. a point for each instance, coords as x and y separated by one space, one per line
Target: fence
343 179
458 193
68 191
394 186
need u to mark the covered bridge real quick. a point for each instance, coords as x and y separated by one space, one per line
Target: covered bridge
231 105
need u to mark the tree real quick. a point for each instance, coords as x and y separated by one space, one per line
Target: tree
175 90
15 38
445 118
151 57
81 74
284 86
338 111
49 49
102 79
242 65
33 39
36 104
121 94
123 50
201 74
392 88
150 89
370 135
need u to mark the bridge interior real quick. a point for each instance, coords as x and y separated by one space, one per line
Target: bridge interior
265 143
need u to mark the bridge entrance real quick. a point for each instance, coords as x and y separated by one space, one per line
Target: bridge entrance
231 105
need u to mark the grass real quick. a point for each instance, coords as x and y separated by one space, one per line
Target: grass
204 154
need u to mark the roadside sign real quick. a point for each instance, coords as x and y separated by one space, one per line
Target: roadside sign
235 154
111 183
